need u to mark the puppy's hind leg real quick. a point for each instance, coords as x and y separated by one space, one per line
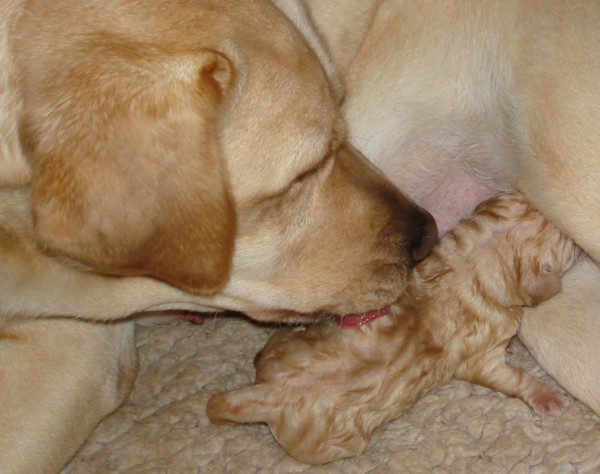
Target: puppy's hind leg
493 372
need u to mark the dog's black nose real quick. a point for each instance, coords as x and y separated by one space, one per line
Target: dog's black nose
426 238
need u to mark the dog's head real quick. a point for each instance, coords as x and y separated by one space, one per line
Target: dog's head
201 143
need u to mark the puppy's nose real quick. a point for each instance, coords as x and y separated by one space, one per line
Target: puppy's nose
426 237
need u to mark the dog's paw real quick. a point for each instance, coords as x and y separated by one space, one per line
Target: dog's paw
547 402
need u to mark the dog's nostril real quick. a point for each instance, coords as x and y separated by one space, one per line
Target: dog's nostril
426 239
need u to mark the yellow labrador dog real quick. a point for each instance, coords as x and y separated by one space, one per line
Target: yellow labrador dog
165 155
455 100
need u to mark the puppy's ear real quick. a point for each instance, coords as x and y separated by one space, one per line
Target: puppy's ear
246 405
541 284
128 175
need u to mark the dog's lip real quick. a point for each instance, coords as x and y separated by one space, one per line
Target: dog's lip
357 320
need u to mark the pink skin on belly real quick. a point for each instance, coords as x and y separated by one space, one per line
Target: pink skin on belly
438 184
437 178
454 197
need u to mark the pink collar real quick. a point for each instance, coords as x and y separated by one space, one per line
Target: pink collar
360 319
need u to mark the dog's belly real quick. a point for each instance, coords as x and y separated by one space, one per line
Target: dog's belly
455 195
439 180
447 161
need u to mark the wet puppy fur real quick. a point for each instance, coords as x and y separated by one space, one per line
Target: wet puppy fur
323 390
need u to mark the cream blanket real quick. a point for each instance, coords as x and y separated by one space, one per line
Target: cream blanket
458 428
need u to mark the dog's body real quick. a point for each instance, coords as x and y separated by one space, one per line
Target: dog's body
457 100
324 390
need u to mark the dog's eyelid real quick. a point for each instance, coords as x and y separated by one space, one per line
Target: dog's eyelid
314 169
299 179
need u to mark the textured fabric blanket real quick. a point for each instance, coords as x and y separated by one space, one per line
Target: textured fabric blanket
458 428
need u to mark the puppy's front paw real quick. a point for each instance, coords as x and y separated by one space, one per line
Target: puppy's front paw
547 401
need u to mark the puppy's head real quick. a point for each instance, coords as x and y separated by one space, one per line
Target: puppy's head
201 144
545 260
530 252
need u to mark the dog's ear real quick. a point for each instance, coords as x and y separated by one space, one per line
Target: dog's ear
128 175
245 405
540 283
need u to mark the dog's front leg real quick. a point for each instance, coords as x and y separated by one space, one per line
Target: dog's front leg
562 334
58 379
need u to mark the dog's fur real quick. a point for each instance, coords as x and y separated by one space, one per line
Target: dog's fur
454 101
324 390
458 100
170 155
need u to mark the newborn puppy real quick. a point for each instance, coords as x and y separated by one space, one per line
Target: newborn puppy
323 391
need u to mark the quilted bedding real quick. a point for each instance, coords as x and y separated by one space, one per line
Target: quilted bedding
162 428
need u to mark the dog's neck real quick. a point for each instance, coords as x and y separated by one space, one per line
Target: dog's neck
342 39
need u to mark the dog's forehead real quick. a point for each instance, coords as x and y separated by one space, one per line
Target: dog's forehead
282 114
277 119
281 124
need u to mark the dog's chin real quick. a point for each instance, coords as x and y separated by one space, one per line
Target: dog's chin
293 317
288 317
